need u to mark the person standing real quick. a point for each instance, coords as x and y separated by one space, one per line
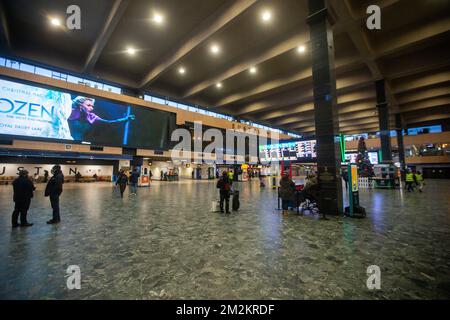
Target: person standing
53 190
409 179
419 180
287 188
224 185
122 181
23 192
134 178
45 176
345 178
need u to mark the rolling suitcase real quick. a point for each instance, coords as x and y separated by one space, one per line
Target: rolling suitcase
235 200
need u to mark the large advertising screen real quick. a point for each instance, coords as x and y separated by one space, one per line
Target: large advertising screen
294 151
42 113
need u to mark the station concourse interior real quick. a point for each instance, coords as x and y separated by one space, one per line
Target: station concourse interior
352 96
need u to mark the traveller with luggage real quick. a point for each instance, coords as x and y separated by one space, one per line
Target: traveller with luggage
224 185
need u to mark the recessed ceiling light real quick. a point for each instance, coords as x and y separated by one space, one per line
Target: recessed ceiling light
131 51
55 21
158 18
301 49
253 70
266 15
215 49
219 85
181 70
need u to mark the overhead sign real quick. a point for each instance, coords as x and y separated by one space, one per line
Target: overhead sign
297 150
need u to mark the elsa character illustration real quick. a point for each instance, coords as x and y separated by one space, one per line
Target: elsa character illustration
58 128
83 119
44 116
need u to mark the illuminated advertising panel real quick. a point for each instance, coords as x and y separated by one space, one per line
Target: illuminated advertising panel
42 113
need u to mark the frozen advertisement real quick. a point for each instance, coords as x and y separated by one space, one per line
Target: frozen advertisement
36 112
294 151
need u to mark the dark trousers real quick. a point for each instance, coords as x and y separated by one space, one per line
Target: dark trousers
20 208
122 189
409 186
225 196
54 200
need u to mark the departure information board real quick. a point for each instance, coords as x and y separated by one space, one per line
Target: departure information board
294 151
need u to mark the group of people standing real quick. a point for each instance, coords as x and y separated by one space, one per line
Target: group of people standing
23 191
288 195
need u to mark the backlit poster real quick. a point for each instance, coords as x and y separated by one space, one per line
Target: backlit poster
35 112
43 113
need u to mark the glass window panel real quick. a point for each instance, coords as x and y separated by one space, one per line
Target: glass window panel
43 72
27 67
158 100
12 64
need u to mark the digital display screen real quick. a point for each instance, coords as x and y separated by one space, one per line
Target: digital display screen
294 151
351 157
42 113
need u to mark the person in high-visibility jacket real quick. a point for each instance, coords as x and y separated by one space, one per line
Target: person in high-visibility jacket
419 180
409 179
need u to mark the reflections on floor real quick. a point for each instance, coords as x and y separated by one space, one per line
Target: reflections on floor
165 243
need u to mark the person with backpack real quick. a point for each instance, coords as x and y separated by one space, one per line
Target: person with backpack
224 185
122 181
53 190
23 192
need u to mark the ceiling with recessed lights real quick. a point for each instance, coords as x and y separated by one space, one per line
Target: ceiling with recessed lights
247 58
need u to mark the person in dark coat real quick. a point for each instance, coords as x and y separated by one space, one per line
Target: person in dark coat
134 178
45 176
287 192
345 178
224 185
53 190
122 181
23 192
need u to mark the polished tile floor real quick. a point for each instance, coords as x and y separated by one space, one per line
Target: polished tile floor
165 243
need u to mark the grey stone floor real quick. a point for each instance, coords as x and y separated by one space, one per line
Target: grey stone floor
166 244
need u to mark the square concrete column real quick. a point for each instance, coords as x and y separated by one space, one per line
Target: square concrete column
383 118
401 147
325 109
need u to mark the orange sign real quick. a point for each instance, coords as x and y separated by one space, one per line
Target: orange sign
354 178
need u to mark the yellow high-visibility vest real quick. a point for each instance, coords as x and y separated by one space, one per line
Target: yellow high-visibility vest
409 177
419 177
